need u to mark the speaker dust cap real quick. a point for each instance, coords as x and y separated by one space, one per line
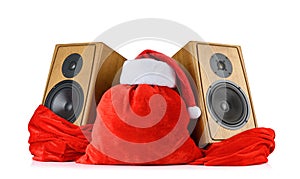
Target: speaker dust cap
228 104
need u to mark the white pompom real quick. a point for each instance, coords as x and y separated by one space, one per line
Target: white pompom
194 112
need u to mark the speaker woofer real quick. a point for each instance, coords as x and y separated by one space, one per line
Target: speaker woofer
66 100
228 105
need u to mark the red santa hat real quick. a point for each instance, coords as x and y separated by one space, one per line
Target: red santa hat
154 68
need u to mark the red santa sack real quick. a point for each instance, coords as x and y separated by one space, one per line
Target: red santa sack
144 120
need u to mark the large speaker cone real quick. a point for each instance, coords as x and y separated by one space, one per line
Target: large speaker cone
228 105
66 100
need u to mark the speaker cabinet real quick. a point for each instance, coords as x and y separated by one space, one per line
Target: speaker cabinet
222 88
78 77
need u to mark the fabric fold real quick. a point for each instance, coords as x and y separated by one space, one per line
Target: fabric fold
52 138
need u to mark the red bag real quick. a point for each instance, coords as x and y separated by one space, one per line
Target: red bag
141 124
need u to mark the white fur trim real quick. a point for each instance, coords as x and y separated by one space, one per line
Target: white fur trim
194 112
148 71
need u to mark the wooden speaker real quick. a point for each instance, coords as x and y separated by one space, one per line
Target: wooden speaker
78 77
222 88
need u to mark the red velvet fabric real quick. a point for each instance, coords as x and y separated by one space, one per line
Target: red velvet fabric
53 138
246 148
143 125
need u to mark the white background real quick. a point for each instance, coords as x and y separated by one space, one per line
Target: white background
268 32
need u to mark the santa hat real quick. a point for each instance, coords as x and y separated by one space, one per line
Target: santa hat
154 68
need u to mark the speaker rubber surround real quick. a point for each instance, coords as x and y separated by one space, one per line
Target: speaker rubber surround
66 100
228 104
